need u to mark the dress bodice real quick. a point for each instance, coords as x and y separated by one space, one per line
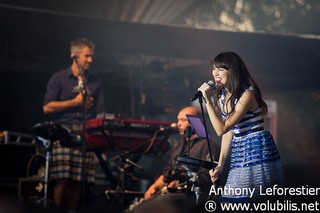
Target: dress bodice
251 122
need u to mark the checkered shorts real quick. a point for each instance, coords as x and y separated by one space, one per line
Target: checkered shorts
66 162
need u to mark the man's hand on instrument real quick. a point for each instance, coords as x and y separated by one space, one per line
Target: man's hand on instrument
149 193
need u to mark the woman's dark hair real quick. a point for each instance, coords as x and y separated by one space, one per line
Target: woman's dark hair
239 79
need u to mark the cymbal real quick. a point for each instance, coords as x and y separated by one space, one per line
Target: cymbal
51 131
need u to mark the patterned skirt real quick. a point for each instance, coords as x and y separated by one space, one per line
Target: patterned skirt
66 162
255 164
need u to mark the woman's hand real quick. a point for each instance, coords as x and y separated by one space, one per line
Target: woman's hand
214 174
206 91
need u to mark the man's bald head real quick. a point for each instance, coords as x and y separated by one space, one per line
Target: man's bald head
182 120
189 110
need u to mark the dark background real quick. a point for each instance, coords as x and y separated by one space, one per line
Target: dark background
165 63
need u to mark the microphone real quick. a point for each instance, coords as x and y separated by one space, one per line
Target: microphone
74 56
170 129
79 87
134 164
198 94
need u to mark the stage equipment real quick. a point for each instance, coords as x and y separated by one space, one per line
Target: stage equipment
196 162
130 139
200 98
11 136
127 134
45 133
185 162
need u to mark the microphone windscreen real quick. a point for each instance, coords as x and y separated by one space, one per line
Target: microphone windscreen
173 125
211 83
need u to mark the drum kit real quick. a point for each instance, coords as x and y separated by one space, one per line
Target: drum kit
45 134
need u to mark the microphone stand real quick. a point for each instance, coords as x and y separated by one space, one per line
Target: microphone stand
84 92
188 134
205 128
216 184
197 189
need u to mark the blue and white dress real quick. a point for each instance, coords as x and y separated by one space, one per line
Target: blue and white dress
255 161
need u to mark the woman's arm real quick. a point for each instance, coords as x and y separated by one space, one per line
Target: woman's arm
224 151
245 103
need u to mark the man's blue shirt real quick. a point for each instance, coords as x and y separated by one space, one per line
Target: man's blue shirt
62 86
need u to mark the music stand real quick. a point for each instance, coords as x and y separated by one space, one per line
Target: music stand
197 125
201 132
